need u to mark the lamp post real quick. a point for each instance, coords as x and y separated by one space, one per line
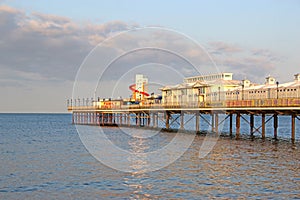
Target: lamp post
277 83
243 91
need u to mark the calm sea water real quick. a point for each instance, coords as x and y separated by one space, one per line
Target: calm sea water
42 157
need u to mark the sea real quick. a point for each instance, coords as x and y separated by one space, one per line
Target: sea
42 156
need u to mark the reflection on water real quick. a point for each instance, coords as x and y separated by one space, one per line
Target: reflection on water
138 158
43 158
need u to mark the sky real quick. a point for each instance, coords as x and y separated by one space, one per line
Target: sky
44 43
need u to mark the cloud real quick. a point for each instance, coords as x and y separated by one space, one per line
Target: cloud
8 9
267 54
220 47
244 62
48 45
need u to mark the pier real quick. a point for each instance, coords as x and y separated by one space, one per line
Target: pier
216 96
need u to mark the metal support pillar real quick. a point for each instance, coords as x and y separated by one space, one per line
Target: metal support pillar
149 119
275 125
73 116
155 122
110 118
238 125
182 120
212 122
128 119
141 119
251 125
102 118
263 126
230 124
167 120
97 118
216 122
136 119
293 128
197 122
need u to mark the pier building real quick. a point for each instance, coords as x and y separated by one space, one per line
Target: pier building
199 89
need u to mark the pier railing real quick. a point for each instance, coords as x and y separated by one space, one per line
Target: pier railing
286 102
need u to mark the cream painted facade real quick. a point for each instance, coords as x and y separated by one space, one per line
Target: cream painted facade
221 87
271 89
199 89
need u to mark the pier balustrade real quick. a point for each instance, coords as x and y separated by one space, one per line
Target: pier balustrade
283 102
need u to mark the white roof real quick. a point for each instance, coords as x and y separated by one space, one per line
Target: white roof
185 85
270 86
